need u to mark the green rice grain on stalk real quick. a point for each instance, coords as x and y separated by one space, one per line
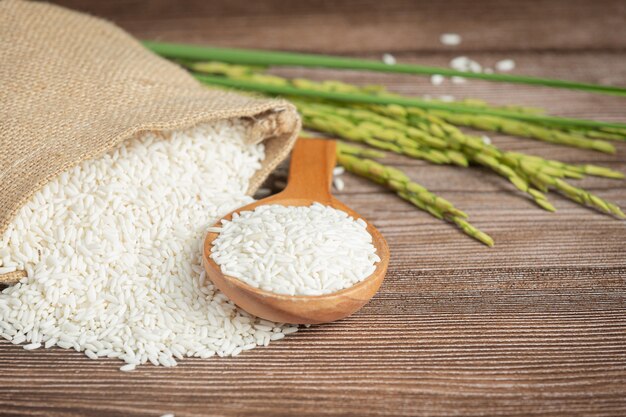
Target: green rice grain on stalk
428 130
410 191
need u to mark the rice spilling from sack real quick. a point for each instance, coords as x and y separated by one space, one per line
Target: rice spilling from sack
292 250
112 250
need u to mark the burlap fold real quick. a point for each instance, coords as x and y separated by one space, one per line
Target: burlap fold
73 86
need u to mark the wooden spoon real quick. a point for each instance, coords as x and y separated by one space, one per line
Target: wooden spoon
310 177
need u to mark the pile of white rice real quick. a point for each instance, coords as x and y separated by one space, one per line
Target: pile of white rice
311 250
112 253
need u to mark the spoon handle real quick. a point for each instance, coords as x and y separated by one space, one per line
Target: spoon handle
311 170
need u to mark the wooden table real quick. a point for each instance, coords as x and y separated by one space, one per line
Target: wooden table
535 326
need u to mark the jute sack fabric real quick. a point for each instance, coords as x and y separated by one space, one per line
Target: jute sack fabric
73 86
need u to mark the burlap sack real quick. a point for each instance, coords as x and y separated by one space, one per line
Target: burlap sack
73 86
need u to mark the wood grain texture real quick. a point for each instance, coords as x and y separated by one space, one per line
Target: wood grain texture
535 326
357 26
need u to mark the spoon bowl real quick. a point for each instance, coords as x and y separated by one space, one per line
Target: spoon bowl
310 177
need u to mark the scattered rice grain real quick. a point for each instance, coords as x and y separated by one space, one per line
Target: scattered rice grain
450 39
437 79
505 65
389 59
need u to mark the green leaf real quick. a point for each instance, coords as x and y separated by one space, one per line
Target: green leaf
262 57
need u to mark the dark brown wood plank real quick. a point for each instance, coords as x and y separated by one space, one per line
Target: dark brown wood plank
535 326
369 25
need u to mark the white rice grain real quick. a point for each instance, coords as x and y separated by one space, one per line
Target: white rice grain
505 65
128 367
314 250
437 79
338 184
450 39
111 250
389 59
